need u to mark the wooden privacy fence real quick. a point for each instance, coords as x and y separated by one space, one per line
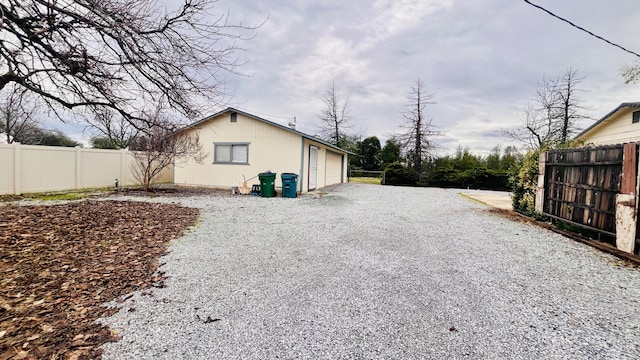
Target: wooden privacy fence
581 186
593 188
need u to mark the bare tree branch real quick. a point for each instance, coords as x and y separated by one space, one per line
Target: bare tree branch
160 146
418 140
631 73
116 129
334 117
121 55
19 112
551 117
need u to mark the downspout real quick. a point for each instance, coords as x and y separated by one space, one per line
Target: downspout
301 178
326 157
342 171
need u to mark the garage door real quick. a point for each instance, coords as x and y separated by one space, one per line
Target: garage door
334 168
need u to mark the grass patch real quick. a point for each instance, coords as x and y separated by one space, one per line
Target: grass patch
366 180
66 195
9 198
473 199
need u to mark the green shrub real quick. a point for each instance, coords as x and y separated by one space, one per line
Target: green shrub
475 178
398 174
524 182
524 179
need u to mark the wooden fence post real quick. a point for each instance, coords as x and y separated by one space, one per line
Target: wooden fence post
542 163
626 218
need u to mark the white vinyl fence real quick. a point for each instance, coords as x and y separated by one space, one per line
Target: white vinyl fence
31 168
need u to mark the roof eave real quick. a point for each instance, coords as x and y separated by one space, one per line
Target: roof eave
611 113
231 109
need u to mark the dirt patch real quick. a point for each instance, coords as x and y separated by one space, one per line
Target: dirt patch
160 190
512 215
60 263
10 198
171 191
499 200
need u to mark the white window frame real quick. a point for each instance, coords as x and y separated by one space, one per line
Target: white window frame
230 160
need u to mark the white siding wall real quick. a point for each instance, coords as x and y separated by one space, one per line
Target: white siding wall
617 129
270 148
329 166
51 168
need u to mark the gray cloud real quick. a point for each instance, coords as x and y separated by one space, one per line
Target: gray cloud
482 59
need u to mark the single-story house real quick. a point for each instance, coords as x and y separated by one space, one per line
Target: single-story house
240 145
622 125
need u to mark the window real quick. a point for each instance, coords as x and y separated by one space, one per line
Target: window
636 117
226 153
234 117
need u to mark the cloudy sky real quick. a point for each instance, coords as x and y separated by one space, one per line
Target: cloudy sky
482 59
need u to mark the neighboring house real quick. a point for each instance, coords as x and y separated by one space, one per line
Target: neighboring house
240 145
622 125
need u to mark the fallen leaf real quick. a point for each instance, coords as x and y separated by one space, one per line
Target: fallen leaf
75 257
21 355
47 328
210 320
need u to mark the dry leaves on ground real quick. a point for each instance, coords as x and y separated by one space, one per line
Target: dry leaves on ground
59 263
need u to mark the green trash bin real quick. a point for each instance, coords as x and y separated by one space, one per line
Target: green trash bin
289 185
267 184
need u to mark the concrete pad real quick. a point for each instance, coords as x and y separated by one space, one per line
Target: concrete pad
496 199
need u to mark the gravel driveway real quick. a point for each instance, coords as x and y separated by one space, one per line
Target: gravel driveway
372 272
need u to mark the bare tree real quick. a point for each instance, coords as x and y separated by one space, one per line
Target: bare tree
161 145
570 109
19 117
118 54
116 130
334 117
551 118
418 140
537 128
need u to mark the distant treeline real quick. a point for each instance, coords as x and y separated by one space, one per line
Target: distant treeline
462 170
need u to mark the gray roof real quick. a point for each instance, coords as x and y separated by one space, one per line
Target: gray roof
621 106
230 110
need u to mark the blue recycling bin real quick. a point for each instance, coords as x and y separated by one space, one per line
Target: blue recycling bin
289 185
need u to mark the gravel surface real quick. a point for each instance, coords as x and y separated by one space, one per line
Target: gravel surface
372 272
